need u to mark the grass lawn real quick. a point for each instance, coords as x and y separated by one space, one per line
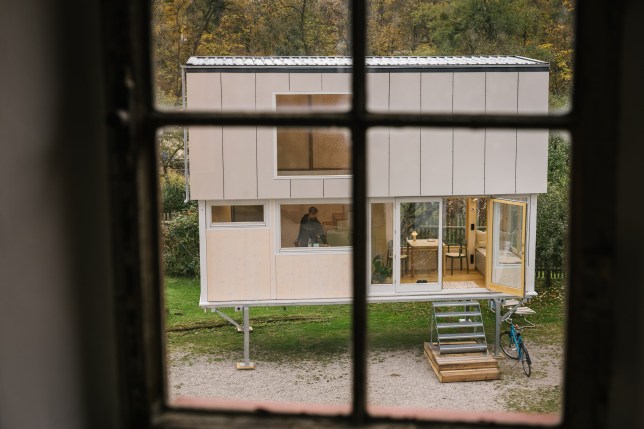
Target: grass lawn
319 332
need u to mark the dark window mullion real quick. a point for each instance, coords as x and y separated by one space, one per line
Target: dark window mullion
358 159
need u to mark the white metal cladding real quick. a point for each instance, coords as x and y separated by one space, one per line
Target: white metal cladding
456 61
428 162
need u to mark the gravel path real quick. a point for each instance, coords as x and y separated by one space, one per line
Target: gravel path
397 378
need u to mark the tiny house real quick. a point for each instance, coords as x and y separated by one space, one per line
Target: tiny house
451 212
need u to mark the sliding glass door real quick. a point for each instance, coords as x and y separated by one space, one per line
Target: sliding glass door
419 233
404 243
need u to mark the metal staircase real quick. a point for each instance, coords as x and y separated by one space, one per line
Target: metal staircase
458 327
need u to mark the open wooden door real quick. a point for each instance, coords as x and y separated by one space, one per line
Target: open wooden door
505 270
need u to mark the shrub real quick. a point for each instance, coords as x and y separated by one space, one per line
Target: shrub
181 244
173 193
552 213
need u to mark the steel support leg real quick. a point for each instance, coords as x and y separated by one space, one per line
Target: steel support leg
231 321
246 364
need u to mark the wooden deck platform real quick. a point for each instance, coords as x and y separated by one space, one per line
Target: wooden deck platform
462 366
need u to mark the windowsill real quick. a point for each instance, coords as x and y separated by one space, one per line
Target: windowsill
302 409
314 176
316 250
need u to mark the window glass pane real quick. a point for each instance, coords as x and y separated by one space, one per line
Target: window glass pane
419 238
222 251
237 54
465 253
315 225
313 151
382 243
312 102
470 56
240 213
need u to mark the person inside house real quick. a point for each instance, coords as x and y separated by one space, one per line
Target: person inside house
311 230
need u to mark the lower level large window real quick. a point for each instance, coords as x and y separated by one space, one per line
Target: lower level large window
315 225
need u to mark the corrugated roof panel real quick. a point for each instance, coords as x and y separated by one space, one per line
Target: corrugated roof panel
394 62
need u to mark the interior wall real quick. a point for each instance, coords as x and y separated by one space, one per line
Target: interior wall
624 404
57 341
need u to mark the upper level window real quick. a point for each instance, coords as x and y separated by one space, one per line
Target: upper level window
313 151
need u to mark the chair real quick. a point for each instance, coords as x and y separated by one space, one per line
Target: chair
460 255
390 256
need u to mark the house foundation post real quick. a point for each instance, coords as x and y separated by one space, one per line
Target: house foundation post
246 364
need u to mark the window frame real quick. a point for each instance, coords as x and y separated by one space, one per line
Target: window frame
276 174
134 204
306 250
236 225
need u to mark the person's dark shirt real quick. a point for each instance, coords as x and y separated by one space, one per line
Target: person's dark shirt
310 229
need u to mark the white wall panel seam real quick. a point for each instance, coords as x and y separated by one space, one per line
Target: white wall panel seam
484 156
223 176
516 140
452 112
389 162
516 157
420 138
256 150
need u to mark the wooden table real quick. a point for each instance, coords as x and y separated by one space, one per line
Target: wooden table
421 244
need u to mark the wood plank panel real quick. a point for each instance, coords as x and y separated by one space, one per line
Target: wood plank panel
238 264
313 276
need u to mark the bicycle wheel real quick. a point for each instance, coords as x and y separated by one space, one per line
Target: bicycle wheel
525 360
508 347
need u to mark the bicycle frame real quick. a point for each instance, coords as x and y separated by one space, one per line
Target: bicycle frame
515 334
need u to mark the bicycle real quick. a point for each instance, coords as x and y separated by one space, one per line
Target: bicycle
512 346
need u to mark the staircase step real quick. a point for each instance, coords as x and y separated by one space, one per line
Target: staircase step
462 348
458 314
459 325
454 303
461 336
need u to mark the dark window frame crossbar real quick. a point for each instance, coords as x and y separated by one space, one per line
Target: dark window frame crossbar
136 122
159 119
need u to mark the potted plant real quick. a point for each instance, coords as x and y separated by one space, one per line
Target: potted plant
380 271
